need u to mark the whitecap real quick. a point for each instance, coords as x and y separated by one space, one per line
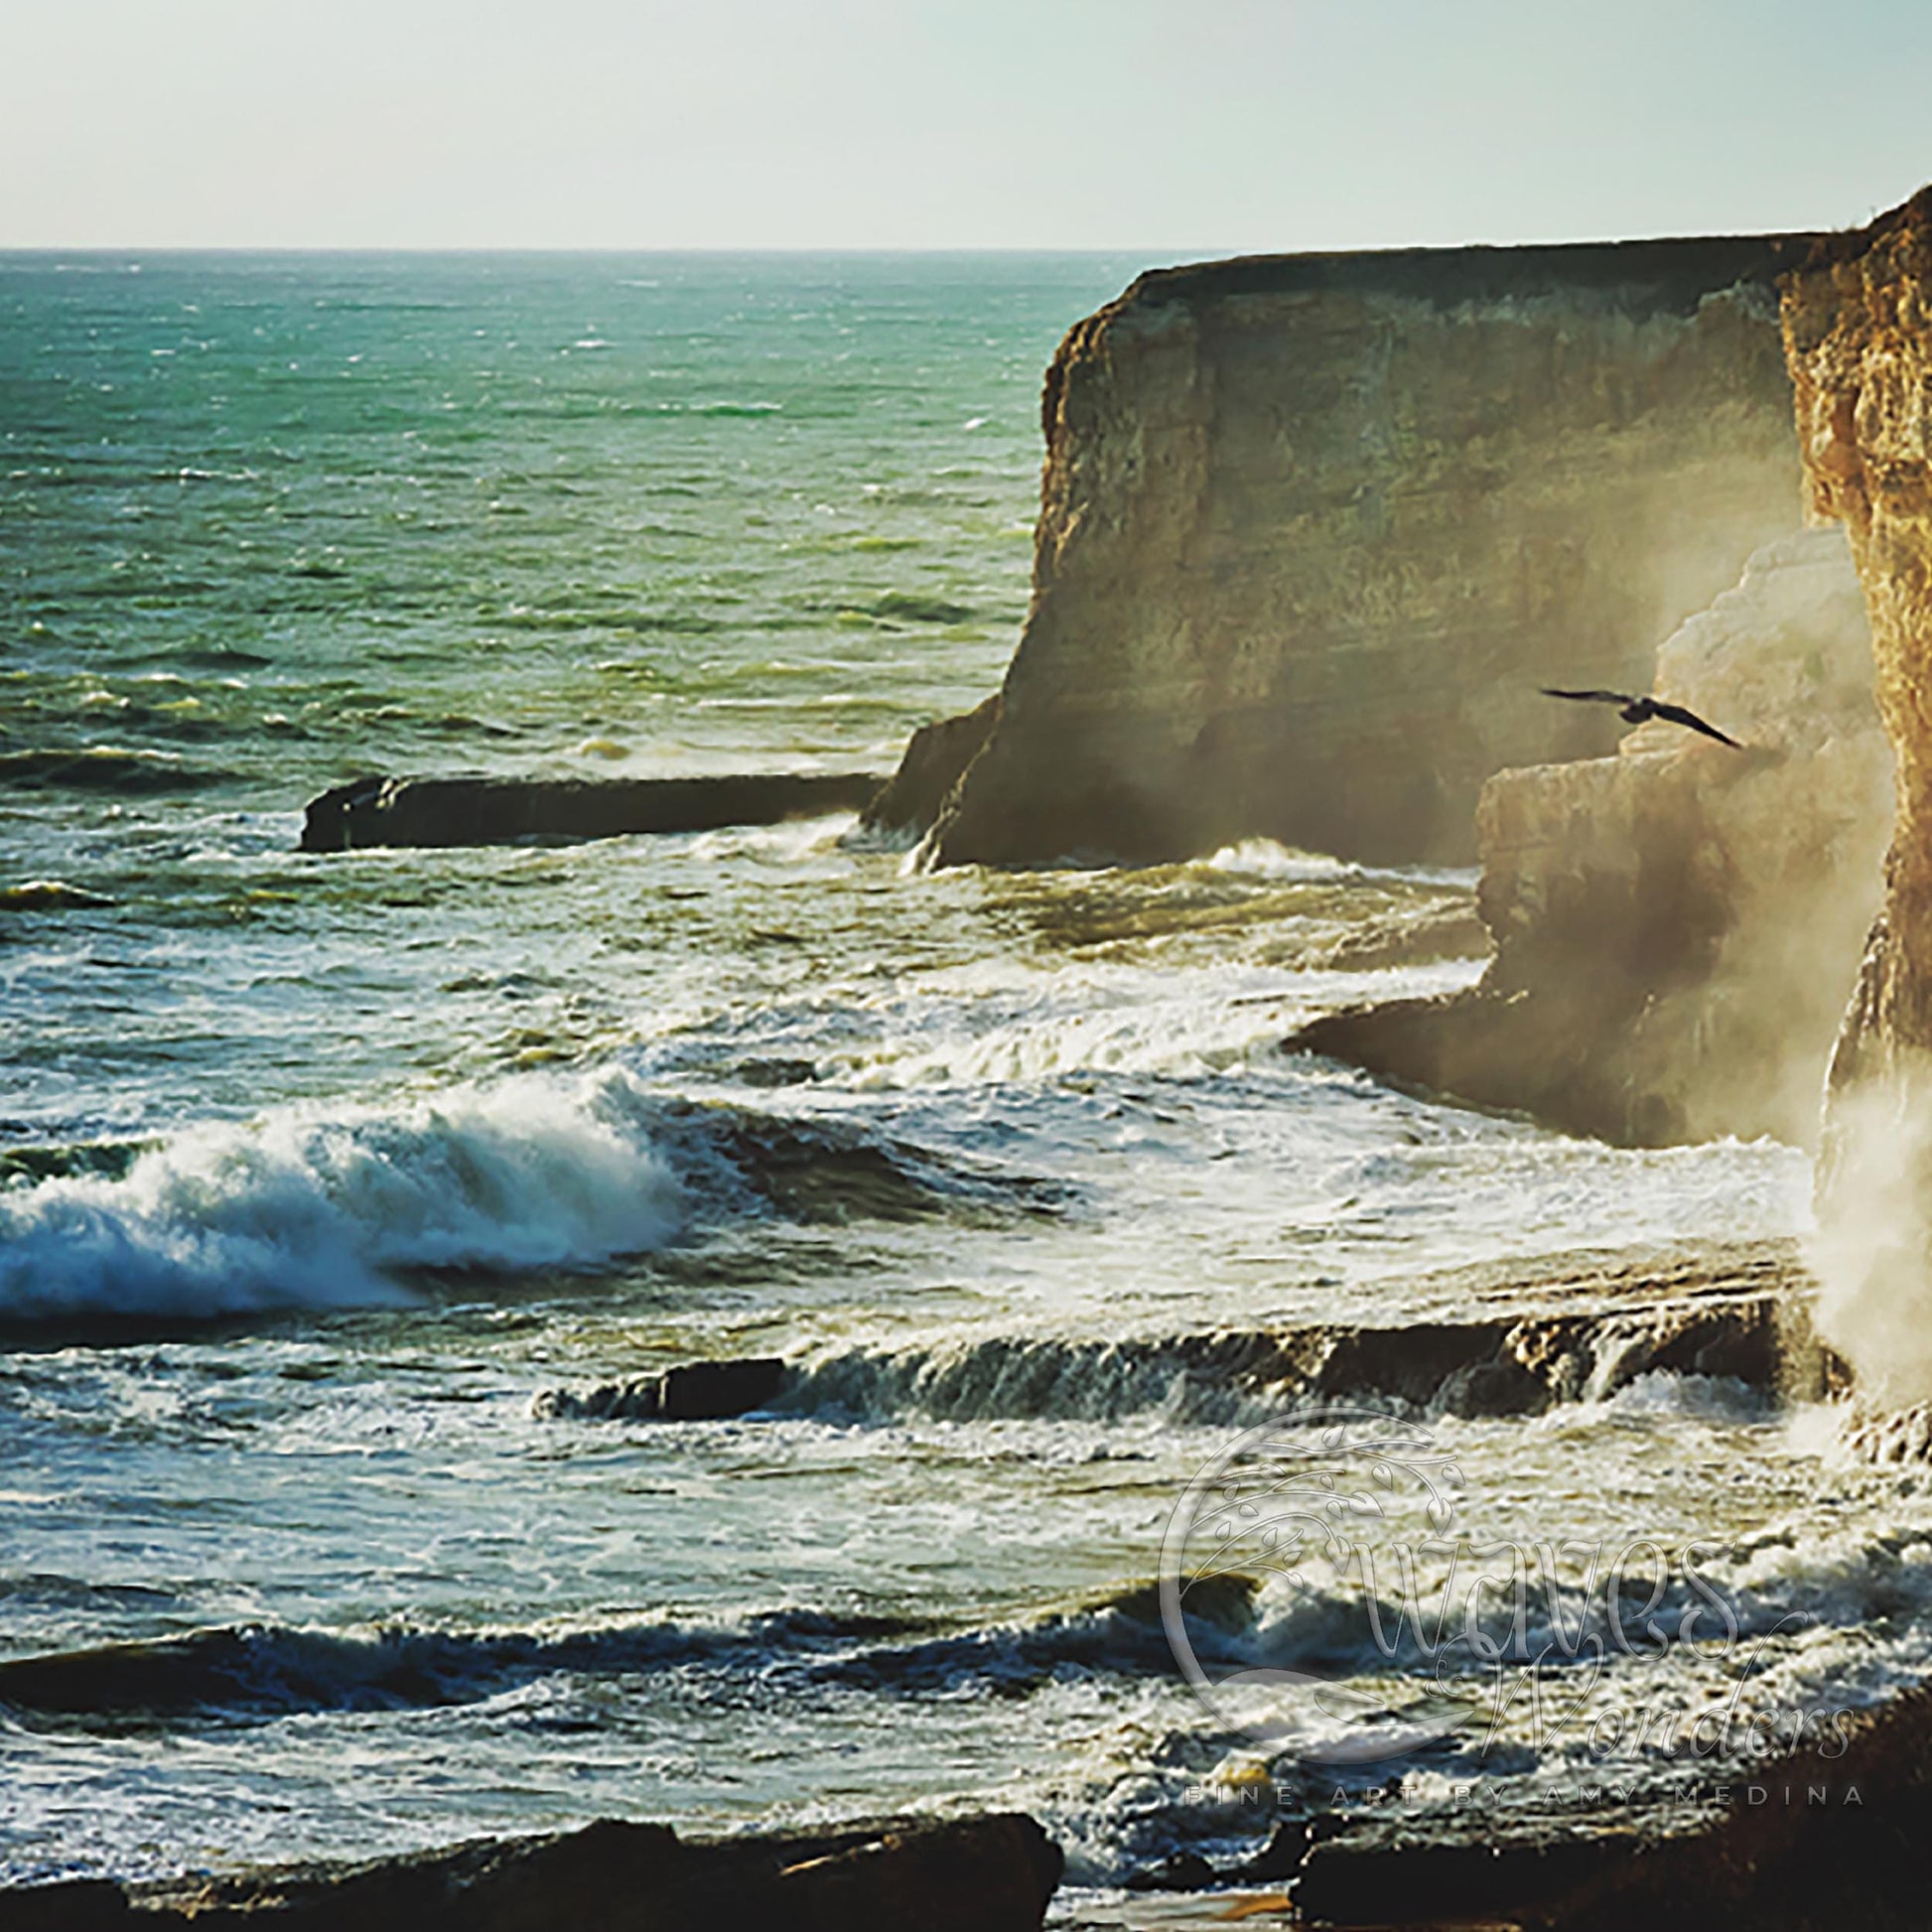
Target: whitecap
312 1207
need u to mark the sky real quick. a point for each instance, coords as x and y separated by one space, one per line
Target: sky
1218 126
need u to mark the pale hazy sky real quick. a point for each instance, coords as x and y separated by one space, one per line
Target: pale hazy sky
1214 126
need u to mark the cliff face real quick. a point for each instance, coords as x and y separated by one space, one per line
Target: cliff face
1858 323
1675 926
1314 528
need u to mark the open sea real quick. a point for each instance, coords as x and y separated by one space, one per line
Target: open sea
321 1177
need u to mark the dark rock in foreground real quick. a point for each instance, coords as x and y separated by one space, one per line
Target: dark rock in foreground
496 811
1436 1869
1183 1872
979 1875
1830 1838
75 1905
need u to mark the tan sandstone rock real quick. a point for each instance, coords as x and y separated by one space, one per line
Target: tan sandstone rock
1313 528
1857 322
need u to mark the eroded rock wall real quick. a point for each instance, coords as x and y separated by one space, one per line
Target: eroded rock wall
1857 323
1314 528
1676 927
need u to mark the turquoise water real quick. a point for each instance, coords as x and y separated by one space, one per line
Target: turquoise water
270 523
285 519
322 1175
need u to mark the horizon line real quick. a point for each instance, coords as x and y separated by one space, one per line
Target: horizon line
1191 252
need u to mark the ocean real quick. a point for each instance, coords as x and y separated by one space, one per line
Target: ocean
333 1183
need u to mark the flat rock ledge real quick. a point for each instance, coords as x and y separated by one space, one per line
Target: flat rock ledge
1586 1330
691 1392
385 811
978 1874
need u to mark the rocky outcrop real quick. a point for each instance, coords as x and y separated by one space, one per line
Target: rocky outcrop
1313 528
691 1392
978 1874
496 811
1821 1838
1868 1433
1577 1333
1675 927
936 758
1811 1840
1857 323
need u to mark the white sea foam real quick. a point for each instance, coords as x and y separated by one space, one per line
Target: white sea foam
789 842
312 1208
1022 1026
969 1378
1265 859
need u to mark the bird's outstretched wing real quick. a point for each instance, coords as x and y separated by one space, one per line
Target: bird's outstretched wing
1590 697
1679 716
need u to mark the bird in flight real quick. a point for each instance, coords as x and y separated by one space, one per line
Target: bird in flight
1640 711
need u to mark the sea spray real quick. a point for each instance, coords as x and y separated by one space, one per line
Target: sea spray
1872 1246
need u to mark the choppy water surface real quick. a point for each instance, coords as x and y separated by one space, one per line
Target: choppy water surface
320 1172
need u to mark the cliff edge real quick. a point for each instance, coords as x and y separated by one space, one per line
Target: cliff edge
1313 528
1858 323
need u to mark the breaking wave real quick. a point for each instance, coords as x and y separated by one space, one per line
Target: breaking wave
1266 858
269 1670
306 1208
104 767
1236 1621
1715 1363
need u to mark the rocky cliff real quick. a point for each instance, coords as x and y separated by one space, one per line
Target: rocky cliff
1313 528
1676 927
1857 322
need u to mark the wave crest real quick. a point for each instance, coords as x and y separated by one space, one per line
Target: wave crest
302 1208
